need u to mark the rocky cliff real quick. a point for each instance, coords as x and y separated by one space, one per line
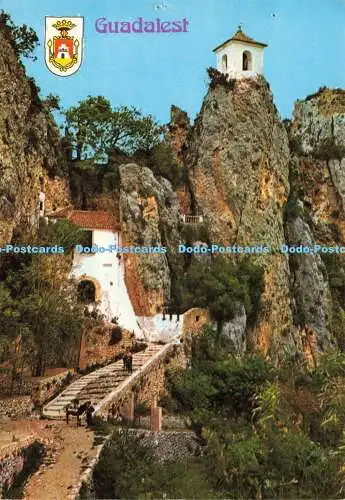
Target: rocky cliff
317 138
149 211
29 146
256 182
238 161
316 211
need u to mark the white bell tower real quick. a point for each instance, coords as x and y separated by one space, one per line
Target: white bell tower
240 56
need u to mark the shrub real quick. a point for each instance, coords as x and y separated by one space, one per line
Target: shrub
218 78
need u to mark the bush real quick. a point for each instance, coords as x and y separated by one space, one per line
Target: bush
162 162
62 233
222 287
293 207
127 469
218 78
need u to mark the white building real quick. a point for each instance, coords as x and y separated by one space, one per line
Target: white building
101 275
240 56
101 278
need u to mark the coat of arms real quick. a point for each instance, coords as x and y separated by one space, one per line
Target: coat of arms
64 44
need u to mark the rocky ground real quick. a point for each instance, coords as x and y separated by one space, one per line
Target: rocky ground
69 449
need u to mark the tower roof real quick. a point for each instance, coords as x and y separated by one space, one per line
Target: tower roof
240 36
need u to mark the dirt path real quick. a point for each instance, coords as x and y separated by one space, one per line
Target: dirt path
56 478
69 449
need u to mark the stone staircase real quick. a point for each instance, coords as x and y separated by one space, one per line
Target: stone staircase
97 385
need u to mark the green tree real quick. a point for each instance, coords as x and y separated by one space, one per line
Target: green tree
222 287
23 38
52 101
40 316
95 129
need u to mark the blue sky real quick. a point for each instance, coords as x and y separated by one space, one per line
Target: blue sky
306 41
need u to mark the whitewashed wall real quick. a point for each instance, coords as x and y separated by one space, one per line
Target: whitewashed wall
234 52
108 270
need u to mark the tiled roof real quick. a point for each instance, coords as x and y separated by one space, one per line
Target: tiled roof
93 219
88 219
240 36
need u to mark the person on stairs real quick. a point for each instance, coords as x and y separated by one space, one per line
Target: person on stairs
89 412
125 360
129 362
78 412
71 409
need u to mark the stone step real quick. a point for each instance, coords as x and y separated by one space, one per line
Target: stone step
97 385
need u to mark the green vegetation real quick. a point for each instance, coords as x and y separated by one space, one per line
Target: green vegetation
268 433
265 432
223 287
328 150
336 278
52 102
95 129
23 39
62 233
127 469
162 162
40 317
293 207
219 78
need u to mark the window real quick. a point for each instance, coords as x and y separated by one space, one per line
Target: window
87 239
224 62
247 61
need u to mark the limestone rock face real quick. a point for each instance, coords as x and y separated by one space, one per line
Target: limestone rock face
317 142
317 138
234 331
29 144
309 283
149 213
318 127
238 161
178 130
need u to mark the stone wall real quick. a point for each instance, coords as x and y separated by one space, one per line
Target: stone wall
169 446
145 385
98 345
194 320
36 389
13 460
45 388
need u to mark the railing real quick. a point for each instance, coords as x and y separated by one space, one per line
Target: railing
192 219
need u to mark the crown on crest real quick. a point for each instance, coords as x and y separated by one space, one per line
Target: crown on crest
64 25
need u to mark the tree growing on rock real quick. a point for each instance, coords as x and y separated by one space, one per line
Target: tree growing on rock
23 39
222 287
95 129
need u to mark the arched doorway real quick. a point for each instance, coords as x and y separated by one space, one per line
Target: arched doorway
247 62
224 62
86 292
87 289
